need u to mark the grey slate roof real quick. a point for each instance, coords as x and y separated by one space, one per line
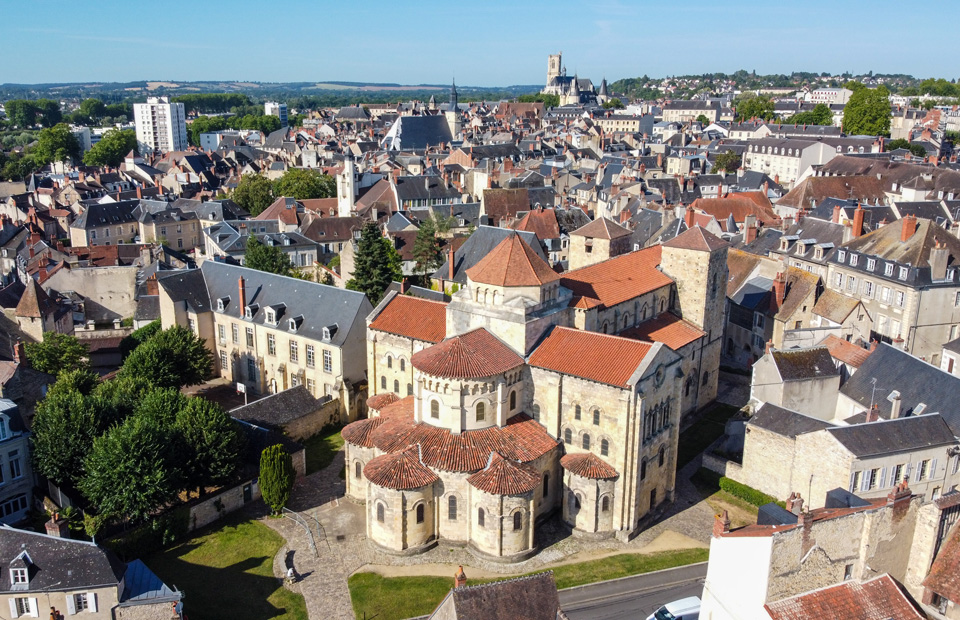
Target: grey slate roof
57 563
890 436
186 286
96 215
478 245
785 422
278 409
141 587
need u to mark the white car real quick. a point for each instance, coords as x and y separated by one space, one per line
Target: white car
684 609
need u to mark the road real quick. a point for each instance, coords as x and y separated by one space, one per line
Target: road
634 597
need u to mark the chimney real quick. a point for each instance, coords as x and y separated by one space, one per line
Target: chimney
795 504
837 210
749 228
243 295
779 291
57 526
721 524
404 286
460 579
909 224
857 229
895 406
688 217
450 257
939 255
899 493
19 353
873 414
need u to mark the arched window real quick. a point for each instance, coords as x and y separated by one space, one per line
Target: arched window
419 513
389 362
535 412
409 389
567 436
546 484
452 508
663 304
481 517
576 501
435 409
662 457
357 470
383 383
396 386
605 504
706 377
643 469
605 327
586 442
576 412
513 400
517 520
604 447
403 364
380 513
481 412
596 416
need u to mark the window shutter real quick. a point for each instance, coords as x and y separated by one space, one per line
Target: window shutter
71 604
865 480
92 601
906 471
883 478
34 610
13 607
916 475
933 469
853 479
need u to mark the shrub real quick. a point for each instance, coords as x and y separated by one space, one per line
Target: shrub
747 494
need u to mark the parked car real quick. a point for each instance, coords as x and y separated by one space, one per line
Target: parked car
684 609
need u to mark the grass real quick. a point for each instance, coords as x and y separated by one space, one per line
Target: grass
395 598
322 447
740 511
703 432
227 572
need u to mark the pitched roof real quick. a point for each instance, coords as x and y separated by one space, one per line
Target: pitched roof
59 563
602 228
814 190
834 306
512 263
533 597
618 279
897 435
844 351
505 477
475 354
589 355
588 465
740 266
400 471
879 598
944 575
667 328
799 364
885 243
696 238
413 317
503 204
541 222
278 409
35 303
785 422
359 432
483 240
737 205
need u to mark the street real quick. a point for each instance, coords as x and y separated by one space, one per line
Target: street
632 597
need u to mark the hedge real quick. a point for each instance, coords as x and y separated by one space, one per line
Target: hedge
748 494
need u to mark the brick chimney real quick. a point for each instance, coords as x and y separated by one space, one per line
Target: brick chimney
450 261
837 210
721 524
19 353
857 230
749 228
778 292
795 503
769 347
688 217
460 579
57 526
243 295
873 414
909 226
899 493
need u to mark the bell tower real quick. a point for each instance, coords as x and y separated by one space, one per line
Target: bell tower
453 113
554 62
347 186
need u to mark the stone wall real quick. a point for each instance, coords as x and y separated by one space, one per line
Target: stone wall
108 291
309 425
768 461
220 505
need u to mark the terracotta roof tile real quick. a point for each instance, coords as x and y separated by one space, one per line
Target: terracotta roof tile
503 204
541 222
589 355
380 401
602 228
696 238
358 433
618 279
877 599
512 263
814 190
400 471
283 209
737 205
471 355
505 477
588 465
413 317
846 352
667 328
944 576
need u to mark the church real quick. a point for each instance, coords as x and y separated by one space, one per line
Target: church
533 393
571 90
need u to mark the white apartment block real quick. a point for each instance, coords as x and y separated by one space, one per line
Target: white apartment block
161 125
273 108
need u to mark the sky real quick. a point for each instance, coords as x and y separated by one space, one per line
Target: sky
479 43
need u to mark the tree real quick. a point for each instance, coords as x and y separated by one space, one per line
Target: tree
118 399
131 471
172 358
376 264
269 258
613 104
213 443
204 124
867 112
727 162
48 112
162 405
112 148
819 115
138 337
21 112
304 184
63 430
94 109
57 352
703 120
426 247
18 167
276 477
56 144
754 107
254 193
901 143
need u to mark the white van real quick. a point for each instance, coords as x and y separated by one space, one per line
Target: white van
684 609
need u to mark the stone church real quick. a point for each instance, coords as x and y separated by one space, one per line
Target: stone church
531 393
571 90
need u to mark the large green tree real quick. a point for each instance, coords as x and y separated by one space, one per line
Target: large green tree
138 337
112 148
63 429
48 112
819 115
21 112
304 184
171 359
254 193
276 477
204 124
213 443
269 258
727 162
94 109
867 113
57 352
754 107
56 143
426 247
376 264
613 104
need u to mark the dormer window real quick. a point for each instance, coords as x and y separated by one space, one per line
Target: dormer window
818 253
903 273
271 316
871 264
888 269
326 334
841 256
222 303
293 324
853 260
18 576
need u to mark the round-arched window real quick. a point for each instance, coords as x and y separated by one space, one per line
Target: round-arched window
419 513
481 517
380 512
517 520
481 412
567 436
435 409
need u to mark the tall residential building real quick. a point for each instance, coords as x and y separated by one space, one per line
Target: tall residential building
276 109
161 125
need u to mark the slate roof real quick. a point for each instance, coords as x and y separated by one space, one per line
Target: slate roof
401 471
418 132
891 436
96 215
800 364
879 598
596 357
512 263
533 597
618 279
944 575
504 477
588 465
785 422
141 586
483 240
413 317
278 409
473 355
187 286
430 188
58 563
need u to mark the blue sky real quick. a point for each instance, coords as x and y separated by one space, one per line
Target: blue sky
483 43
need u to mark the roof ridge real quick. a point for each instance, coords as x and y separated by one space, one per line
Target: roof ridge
480 586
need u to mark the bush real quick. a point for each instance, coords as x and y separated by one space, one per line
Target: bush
747 494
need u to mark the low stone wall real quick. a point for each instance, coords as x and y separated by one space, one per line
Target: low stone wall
721 465
309 425
223 503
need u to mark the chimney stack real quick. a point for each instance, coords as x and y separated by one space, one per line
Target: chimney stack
243 295
909 224
450 256
749 228
939 256
721 524
837 210
57 526
873 414
795 503
688 217
460 579
895 406
857 230
779 292
899 493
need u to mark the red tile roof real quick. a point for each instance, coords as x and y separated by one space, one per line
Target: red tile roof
522 439
471 355
944 576
381 400
413 317
512 263
618 279
589 355
400 471
846 352
739 206
602 228
877 599
280 210
696 238
541 222
505 477
667 328
358 433
588 465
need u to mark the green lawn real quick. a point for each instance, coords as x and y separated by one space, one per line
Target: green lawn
395 598
322 447
227 572
703 432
